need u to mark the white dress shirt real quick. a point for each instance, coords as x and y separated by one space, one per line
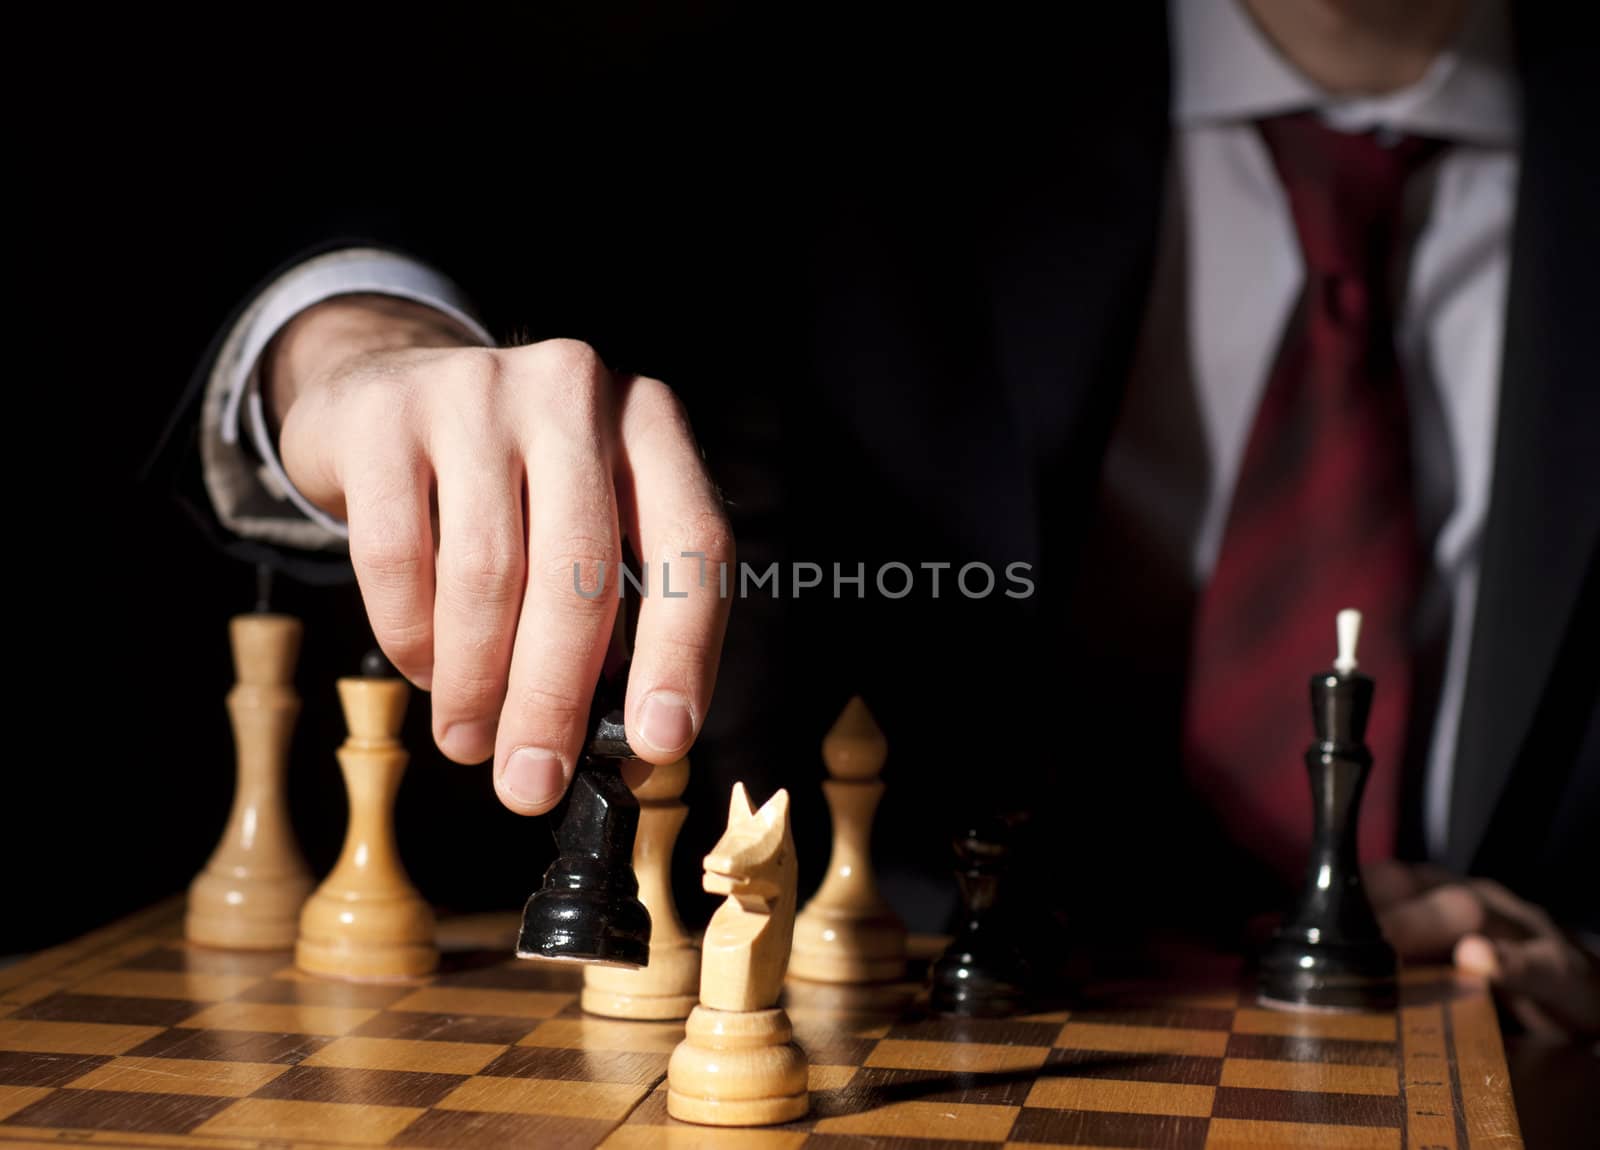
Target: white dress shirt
1228 279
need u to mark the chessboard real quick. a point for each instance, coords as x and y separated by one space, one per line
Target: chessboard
131 1037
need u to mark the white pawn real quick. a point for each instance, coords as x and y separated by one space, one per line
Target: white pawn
366 922
669 986
848 933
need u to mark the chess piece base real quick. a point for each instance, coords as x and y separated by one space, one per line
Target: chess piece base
1297 974
848 971
245 914
589 924
835 947
365 963
977 985
366 939
638 1007
737 1068
666 989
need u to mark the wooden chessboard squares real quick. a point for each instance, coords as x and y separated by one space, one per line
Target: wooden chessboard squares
231 1045
15 1098
873 1086
1302 1024
359 1053
984 1031
38 1068
305 991
1310 1077
280 1018
446 1129
957 1058
203 960
1178 1069
425 1026
477 1000
518 974
585 1032
497 1053
361 1087
832 1049
1233 1134
637 1068
714 1138
49 1037
561 1098
1163 1017
115 1009
975 1122
24 993
1159 1074
183 985
1106 1128
127 1112
1306 1048
1119 1039
281 1121
215 1077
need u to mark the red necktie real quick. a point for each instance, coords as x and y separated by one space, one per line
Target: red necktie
1322 515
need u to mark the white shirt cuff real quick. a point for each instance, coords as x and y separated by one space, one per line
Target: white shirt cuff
258 501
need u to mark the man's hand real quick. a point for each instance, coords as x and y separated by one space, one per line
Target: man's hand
1550 982
474 481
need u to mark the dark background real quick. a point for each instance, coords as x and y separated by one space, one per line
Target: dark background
669 183
662 169
167 178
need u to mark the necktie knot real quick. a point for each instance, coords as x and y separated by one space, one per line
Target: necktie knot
1345 190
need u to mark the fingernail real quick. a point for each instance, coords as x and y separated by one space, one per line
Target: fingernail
469 742
1476 956
533 776
665 722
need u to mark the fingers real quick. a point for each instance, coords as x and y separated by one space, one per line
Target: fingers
479 573
534 466
391 549
1429 925
1551 985
675 518
1390 881
564 624
1510 915
1431 921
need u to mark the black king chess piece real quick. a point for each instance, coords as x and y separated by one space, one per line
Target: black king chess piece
983 972
1329 954
588 909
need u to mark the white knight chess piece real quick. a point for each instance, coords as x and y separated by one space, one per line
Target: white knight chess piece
738 1065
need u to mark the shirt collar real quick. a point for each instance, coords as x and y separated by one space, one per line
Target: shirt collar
1225 70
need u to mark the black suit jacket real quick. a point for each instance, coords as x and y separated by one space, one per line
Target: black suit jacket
903 319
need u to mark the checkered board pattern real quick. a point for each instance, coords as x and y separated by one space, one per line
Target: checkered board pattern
128 1037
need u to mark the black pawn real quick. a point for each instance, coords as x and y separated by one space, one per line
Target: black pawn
376 665
1330 954
588 909
982 974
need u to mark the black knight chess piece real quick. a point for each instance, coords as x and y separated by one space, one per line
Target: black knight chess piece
1330 953
588 909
